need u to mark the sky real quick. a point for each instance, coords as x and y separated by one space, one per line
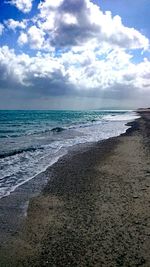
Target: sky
74 54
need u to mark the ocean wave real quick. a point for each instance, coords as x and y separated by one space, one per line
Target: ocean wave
86 124
121 117
12 134
57 129
19 151
6 131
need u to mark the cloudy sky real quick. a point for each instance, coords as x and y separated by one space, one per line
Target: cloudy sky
74 54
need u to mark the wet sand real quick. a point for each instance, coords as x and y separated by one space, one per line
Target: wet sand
94 211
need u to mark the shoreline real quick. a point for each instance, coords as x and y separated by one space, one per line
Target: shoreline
76 186
66 149
32 187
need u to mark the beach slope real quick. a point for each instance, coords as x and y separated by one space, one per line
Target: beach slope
95 210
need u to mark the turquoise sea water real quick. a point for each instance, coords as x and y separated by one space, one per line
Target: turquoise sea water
30 141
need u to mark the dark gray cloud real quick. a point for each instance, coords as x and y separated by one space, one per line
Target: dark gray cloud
56 85
47 77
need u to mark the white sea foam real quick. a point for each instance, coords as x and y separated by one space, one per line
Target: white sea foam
130 116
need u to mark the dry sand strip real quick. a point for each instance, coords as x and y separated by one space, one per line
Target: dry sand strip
95 211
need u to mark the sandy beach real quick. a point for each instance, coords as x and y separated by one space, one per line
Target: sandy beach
94 210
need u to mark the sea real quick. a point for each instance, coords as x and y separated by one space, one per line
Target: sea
31 141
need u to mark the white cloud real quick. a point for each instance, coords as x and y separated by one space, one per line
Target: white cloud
15 24
69 19
47 6
1 28
98 61
35 37
48 24
23 39
22 70
74 23
23 5
114 76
